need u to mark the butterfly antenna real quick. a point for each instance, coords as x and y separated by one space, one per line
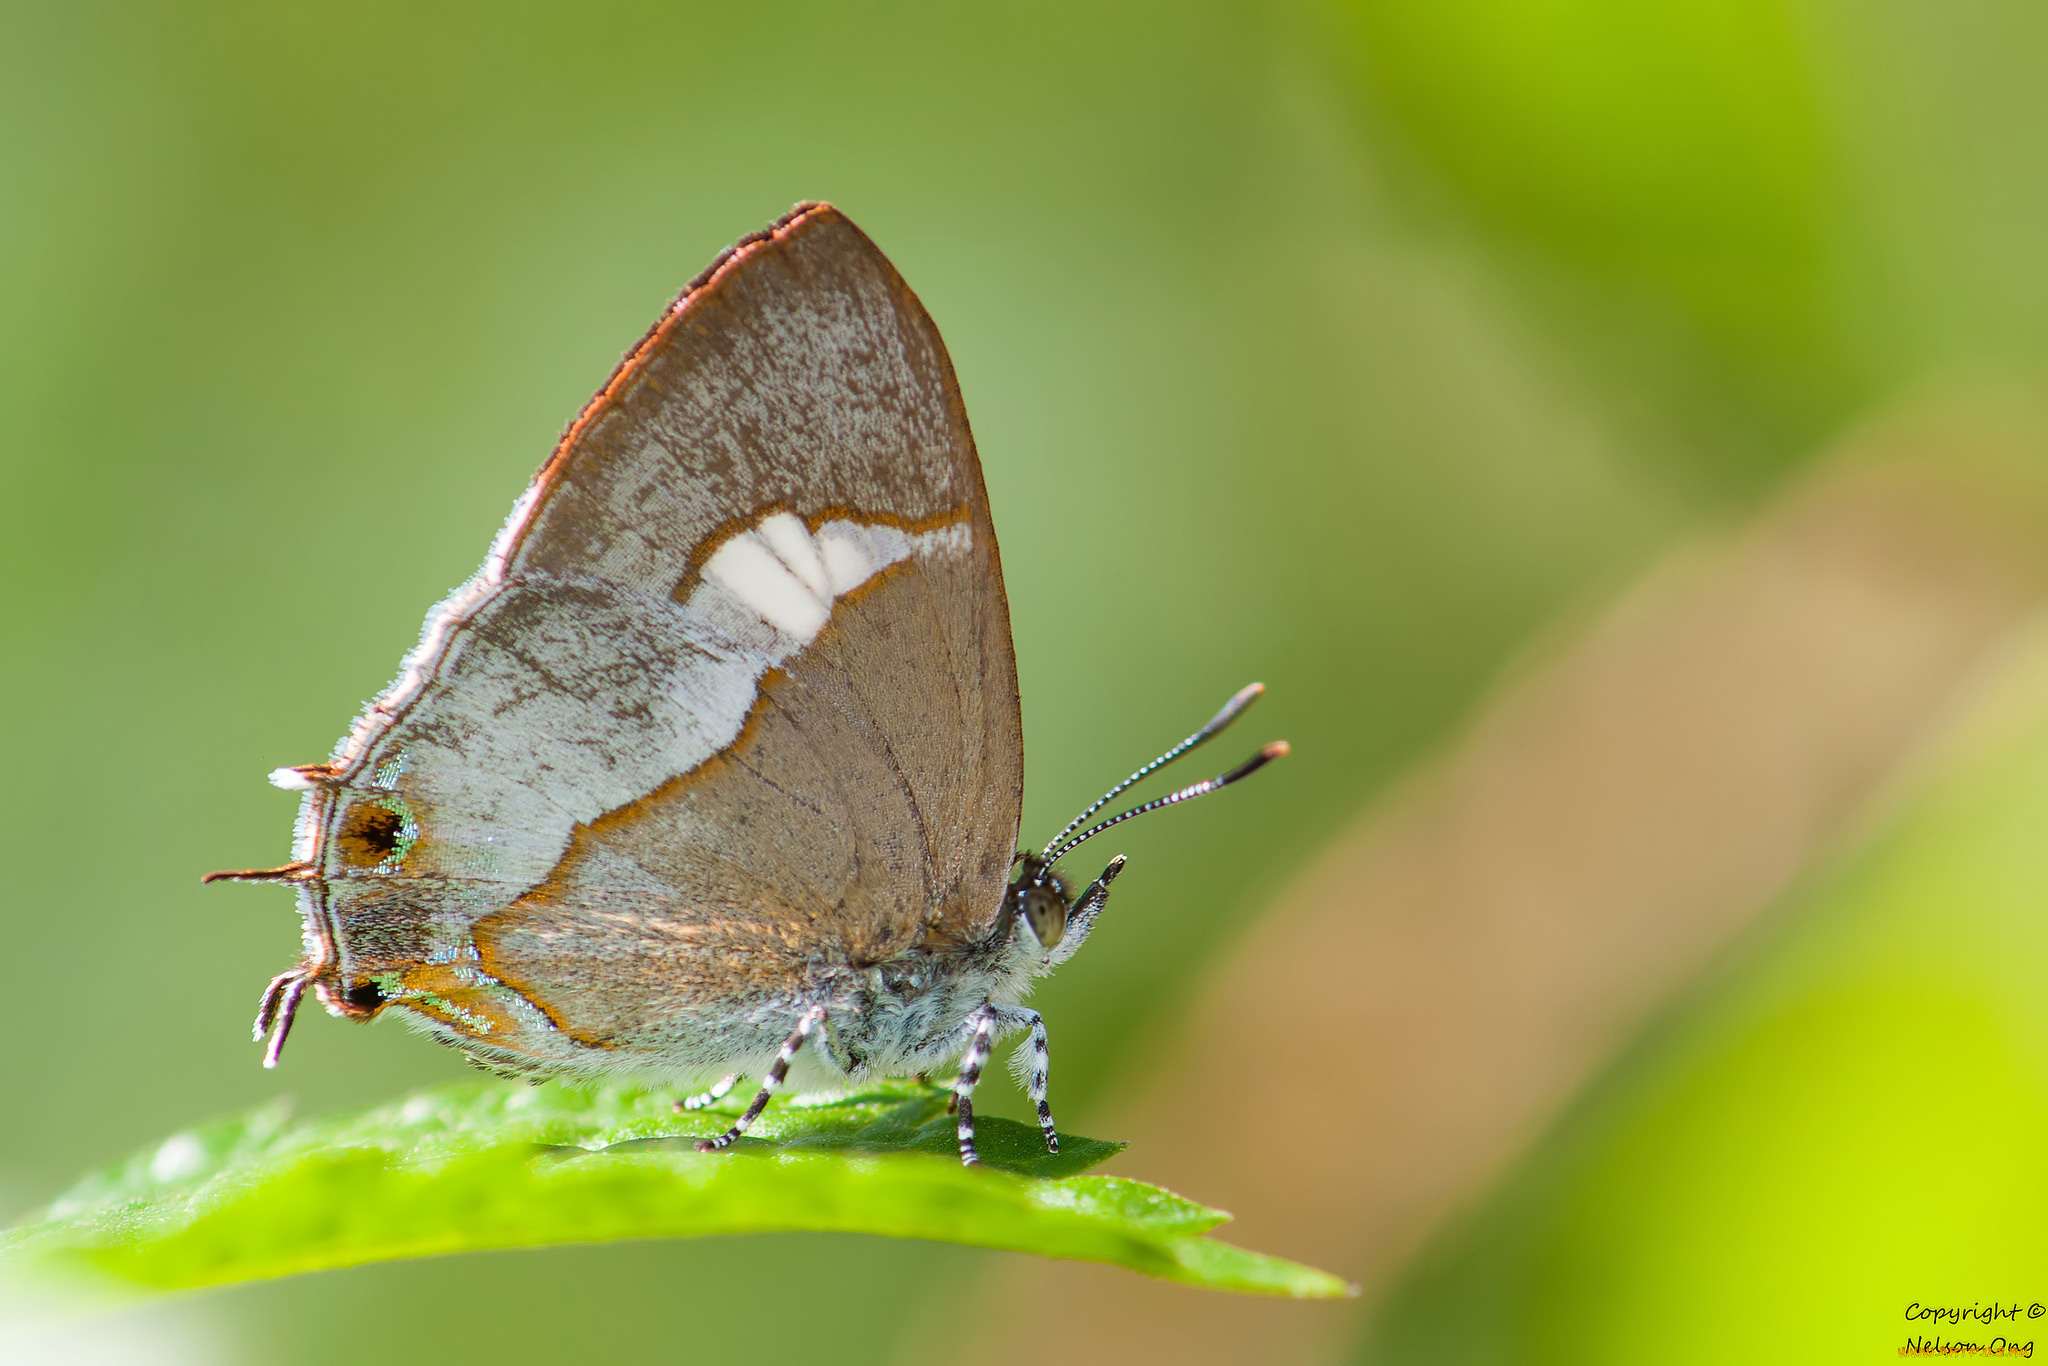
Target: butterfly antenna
1232 709
1189 793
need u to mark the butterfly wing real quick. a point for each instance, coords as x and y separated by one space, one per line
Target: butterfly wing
731 707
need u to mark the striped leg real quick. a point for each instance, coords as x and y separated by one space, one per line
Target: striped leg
717 1093
970 1076
771 1083
1031 1066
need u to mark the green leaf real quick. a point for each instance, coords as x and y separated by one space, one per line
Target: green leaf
496 1165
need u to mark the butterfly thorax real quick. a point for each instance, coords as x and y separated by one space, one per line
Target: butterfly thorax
911 1013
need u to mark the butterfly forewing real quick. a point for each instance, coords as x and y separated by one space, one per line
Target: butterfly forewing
733 703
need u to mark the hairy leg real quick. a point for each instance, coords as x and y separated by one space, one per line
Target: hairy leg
1031 1063
777 1071
978 1045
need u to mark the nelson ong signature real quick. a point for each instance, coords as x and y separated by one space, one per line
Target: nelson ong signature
1979 1312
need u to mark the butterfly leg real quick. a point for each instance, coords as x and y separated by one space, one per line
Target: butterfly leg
770 1084
718 1092
1031 1066
984 1021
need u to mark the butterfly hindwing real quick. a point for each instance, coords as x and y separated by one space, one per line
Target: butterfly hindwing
733 701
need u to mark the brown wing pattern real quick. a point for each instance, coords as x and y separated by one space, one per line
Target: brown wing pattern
732 702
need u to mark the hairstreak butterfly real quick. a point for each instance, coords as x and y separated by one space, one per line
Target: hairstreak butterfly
720 752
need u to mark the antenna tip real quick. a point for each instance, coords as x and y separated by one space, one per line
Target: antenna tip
1275 750
1232 709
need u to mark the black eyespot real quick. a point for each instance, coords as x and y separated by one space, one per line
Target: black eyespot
368 834
365 995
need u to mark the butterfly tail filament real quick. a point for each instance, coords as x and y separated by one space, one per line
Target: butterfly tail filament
278 1008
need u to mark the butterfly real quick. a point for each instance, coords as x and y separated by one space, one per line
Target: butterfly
720 752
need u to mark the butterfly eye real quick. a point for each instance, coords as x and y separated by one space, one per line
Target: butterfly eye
1045 911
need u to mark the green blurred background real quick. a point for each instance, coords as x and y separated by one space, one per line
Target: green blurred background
1362 348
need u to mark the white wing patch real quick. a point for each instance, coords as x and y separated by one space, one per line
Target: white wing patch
752 572
558 700
792 544
782 574
845 554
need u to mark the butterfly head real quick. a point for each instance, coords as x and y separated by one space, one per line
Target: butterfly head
1040 898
